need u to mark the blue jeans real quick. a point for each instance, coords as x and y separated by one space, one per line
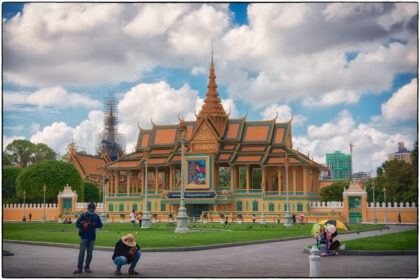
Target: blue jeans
121 260
85 245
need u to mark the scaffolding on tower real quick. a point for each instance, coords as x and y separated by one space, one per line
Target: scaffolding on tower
109 140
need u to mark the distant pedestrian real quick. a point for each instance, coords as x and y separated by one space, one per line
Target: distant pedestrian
30 217
133 218
278 220
139 216
226 221
87 224
253 219
294 218
399 219
126 251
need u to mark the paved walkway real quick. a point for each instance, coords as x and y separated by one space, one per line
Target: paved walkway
278 259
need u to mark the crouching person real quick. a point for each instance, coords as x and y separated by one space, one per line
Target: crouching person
126 252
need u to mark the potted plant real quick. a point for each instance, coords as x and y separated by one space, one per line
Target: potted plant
205 217
122 217
222 220
154 217
171 218
240 219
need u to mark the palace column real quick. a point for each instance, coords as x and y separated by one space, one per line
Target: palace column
171 177
128 183
117 182
263 179
232 177
111 181
305 179
156 179
247 177
294 179
279 179
108 183
216 176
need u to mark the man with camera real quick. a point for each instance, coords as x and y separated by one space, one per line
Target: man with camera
87 224
126 251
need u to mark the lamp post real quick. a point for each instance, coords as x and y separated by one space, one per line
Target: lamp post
182 216
385 220
374 220
287 217
103 214
44 218
262 208
24 196
145 223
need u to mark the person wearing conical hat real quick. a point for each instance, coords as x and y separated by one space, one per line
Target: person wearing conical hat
126 251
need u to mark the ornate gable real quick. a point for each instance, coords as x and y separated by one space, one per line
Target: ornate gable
205 139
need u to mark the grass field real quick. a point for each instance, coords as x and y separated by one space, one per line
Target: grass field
161 235
407 240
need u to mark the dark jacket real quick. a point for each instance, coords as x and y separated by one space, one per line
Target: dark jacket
90 232
122 250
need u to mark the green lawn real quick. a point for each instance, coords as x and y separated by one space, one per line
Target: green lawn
161 235
407 240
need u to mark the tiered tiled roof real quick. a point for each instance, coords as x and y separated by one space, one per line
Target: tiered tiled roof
237 141
87 165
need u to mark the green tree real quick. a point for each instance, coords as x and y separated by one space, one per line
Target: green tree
256 178
9 176
399 179
333 192
42 152
54 174
91 192
224 177
20 152
6 159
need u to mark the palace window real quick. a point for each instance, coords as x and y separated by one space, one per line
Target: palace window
134 207
121 207
247 205
255 205
271 206
239 205
224 177
285 206
128 207
110 207
307 207
300 206
156 206
293 207
162 206
149 205
279 206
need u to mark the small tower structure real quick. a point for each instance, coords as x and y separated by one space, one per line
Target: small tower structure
109 141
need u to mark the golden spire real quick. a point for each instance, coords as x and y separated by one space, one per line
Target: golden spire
212 103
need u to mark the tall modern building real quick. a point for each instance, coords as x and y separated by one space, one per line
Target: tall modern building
403 154
340 164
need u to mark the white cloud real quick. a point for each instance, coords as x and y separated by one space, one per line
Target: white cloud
333 98
284 114
8 140
198 70
342 124
56 97
35 127
58 135
403 104
371 144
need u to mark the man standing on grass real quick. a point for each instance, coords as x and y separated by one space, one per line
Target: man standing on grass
87 224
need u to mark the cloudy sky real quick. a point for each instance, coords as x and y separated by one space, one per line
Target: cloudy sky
346 71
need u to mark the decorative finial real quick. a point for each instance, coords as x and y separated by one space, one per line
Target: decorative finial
230 111
291 118
138 125
246 115
277 114
151 120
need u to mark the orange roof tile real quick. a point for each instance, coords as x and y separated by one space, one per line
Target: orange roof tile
248 158
256 133
224 156
278 150
91 164
228 147
279 135
176 158
160 152
145 140
165 136
124 164
189 131
282 160
232 130
156 160
252 149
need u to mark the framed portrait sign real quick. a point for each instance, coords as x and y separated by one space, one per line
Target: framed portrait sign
197 172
